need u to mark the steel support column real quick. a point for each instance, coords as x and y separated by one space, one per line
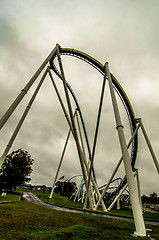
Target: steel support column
80 153
95 136
116 169
26 88
136 207
149 145
22 119
70 125
60 163
117 197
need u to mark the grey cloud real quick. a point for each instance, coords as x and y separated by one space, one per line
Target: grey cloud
8 34
123 33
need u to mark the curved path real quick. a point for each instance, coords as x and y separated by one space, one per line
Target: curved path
29 197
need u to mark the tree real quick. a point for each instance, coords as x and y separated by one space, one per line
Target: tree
153 195
16 168
65 188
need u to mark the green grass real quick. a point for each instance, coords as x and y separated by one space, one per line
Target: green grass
15 196
59 200
23 220
64 202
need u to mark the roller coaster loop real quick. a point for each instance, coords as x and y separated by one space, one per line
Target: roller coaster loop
121 93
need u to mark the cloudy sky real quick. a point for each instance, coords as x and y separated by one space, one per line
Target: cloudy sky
122 32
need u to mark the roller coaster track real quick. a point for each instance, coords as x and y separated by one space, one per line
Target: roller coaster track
121 93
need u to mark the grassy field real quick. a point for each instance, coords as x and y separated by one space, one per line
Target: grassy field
15 196
23 220
64 202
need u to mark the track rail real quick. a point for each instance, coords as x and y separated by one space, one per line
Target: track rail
121 93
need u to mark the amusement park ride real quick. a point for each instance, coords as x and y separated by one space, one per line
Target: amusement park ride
74 118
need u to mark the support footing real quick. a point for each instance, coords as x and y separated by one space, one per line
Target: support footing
135 234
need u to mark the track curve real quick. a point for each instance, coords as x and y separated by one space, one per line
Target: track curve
121 93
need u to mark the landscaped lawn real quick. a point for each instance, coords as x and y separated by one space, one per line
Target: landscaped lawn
24 220
64 202
15 196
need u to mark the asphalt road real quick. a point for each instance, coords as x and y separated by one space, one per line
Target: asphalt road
26 196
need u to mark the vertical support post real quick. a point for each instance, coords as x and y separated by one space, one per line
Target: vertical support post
22 119
149 145
61 102
82 144
96 135
78 191
73 122
95 185
118 204
78 124
70 125
83 155
59 166
26 88
116 169
117 197
61 159
138 185
136 207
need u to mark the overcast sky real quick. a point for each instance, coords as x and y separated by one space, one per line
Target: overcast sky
122 32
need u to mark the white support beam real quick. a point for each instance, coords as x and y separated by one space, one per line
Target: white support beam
61 160
25 89
116 169
80 153
95 136
9 145
136 207
149 145
117 197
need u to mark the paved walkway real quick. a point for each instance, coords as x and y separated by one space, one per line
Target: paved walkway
26 196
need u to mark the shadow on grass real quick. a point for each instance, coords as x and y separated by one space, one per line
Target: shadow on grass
77 232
